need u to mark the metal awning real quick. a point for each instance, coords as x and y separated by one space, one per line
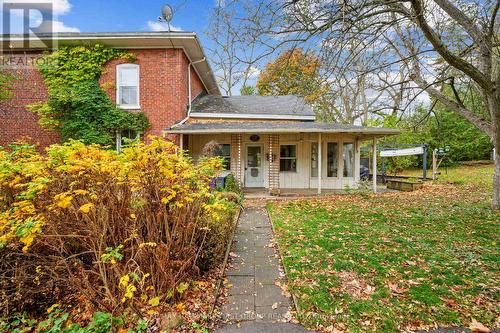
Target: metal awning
276 127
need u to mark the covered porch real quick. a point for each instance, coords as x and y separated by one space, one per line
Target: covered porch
285 157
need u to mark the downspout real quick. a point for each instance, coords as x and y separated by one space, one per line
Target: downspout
189 89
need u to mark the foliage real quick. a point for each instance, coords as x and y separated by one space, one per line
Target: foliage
410 135
248 91
466 141
120 230
5 86
294 72
441 128
77 106
233 185
393 262
59 321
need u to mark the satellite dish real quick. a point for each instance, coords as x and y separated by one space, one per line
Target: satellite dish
167 13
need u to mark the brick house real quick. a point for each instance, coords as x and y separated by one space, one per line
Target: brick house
171 69
269 142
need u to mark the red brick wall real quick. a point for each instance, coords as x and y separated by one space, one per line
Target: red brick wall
163 95
15 121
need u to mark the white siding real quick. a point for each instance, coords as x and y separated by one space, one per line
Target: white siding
289 180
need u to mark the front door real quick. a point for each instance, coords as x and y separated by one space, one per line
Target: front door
254 170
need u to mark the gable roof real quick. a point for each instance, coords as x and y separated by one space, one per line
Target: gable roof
188 41
252 107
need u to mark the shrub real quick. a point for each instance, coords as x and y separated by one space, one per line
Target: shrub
121 231
232 185
59 321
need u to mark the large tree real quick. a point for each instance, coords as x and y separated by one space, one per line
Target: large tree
293 72
232 49
426 45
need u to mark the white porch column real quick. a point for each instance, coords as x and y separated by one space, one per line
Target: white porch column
273 162
236 156
374 165
118 141
320 163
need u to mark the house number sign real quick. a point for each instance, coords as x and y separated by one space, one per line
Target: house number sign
254 138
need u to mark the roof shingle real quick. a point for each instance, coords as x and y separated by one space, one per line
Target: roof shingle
288 105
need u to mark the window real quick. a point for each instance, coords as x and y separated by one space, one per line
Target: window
348 159
288 158
127 82
332 166
314 159
125 137
225 152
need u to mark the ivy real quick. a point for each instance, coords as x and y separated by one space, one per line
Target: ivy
5 86
77 105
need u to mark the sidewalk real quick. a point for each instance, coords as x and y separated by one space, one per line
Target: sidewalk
255 302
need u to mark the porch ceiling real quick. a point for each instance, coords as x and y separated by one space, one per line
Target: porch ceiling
272 127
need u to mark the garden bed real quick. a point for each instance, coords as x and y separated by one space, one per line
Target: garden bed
96 241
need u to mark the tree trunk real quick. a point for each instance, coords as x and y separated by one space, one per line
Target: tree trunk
494 109
495 204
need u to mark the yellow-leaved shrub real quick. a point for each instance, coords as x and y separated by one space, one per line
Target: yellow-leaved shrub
118 229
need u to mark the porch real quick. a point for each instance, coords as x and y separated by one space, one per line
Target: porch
285 158
263 193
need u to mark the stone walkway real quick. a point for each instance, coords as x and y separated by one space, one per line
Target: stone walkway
256 303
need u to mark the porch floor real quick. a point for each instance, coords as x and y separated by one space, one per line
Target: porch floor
263 193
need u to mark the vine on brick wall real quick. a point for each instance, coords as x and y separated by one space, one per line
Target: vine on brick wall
77 105
5 86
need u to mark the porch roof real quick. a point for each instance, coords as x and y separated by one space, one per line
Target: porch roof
269 127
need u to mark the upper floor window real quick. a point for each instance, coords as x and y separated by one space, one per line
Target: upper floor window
127 82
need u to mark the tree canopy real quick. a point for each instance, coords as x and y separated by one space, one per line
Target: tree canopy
293 72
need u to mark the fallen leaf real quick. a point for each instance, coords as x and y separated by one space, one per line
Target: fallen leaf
476 326
275 306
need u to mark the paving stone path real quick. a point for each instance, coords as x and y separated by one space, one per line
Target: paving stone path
256 303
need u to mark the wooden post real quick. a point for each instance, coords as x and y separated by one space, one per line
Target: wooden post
181 141
434 165
425 161
374 165
320 163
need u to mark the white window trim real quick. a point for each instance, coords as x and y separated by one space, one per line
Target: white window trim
296 158
119 140
129 107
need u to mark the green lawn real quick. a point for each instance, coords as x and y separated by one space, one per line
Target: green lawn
394 261
479 175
